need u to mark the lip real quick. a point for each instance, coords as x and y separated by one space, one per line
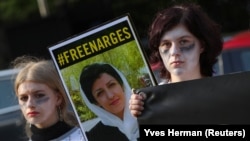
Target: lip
115 102
176 63
32 114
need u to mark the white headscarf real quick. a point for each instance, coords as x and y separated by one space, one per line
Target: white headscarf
128 125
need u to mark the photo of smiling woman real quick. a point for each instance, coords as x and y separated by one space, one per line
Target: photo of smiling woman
106 92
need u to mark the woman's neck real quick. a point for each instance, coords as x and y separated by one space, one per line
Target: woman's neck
175 78
120 115
49 133
48 123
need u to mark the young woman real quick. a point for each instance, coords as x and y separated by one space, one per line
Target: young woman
43 101
186 42
106 92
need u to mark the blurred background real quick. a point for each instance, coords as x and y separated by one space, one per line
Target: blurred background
29 27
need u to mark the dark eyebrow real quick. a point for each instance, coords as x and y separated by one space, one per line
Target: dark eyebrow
37 91
96 91
33 92
186 36
181 37
109 82
112 80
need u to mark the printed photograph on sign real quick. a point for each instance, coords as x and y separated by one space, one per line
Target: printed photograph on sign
99 68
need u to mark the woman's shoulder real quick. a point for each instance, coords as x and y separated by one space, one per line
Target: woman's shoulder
73 134
89 124
100 126
105 132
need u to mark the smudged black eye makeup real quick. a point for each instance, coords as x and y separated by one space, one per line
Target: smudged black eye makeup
163 50
38 99
184 47
164 47
23 98
42 100
187 48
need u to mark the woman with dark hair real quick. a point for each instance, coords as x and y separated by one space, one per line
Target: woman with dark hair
106 92
186 42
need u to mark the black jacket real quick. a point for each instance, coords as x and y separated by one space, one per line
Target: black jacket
103 132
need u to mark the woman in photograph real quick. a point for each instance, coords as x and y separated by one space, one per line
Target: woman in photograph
106 92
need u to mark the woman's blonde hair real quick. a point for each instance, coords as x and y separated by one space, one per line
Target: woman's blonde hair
43 71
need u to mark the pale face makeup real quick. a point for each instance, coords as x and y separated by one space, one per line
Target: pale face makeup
38 103
109 94
180 52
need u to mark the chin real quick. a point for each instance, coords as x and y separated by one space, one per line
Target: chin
178 72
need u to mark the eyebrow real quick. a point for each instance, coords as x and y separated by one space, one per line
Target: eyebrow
97 91
181 37
109 82
32 92
187 36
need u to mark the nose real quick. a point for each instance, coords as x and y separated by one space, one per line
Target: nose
109 94
31 102
174 50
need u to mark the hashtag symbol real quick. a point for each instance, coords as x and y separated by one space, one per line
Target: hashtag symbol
60 59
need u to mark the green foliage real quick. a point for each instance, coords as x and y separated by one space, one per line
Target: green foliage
17 10
81 108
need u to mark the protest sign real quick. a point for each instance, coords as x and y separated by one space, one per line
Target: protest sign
114 43
217 100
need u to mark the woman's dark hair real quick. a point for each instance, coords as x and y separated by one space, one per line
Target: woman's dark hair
92 72
197 23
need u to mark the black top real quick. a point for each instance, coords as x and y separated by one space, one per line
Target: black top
49 133
103 132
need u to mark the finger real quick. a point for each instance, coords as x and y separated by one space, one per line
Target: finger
136 107
137 97
135 113
136 102
138 92
143 95
135 91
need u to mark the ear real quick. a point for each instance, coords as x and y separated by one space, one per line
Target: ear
97 104
202 49
59 99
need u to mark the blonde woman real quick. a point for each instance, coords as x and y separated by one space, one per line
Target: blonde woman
43 101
